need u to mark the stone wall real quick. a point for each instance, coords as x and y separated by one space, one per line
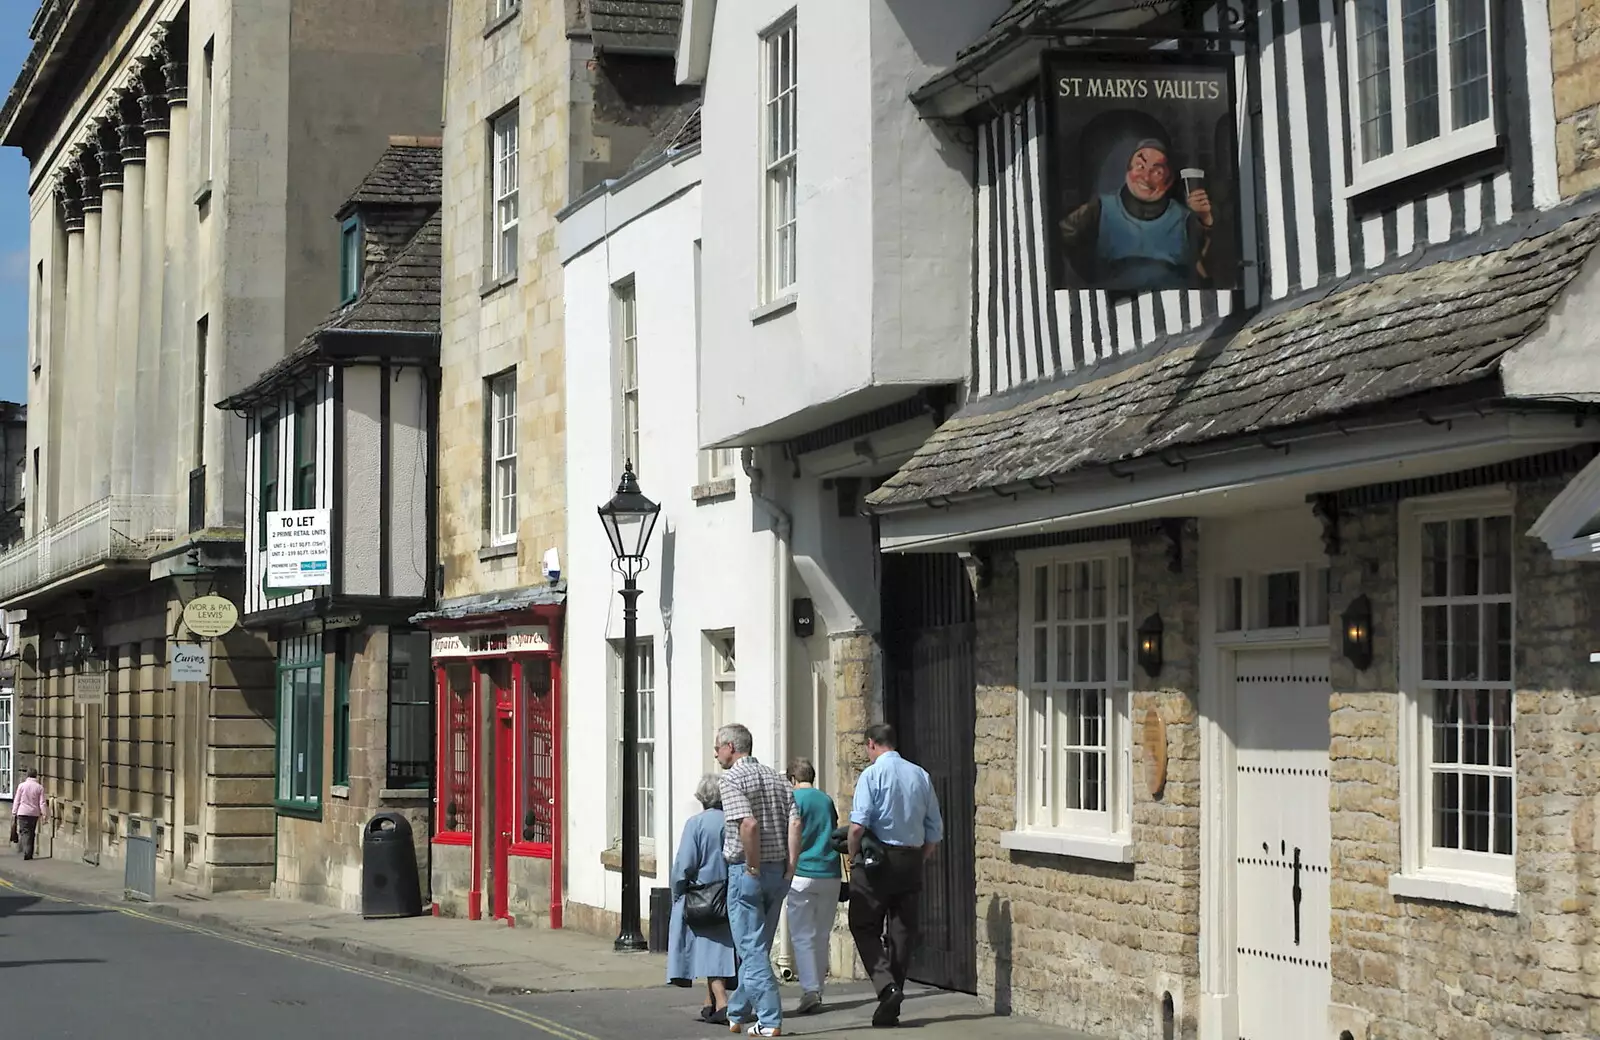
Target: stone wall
1575 48
1406 969
320 861
1091 945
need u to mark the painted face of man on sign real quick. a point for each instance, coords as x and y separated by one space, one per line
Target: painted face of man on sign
1150 178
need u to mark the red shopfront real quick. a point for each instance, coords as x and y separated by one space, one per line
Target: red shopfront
497 816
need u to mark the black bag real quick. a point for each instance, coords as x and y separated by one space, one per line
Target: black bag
705 904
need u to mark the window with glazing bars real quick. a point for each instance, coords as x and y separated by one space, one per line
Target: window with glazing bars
627 305
780 153
305 452
504 184
503 458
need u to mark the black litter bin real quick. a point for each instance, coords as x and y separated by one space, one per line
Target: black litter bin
660 919
389 883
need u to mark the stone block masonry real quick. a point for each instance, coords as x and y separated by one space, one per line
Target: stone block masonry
1092 945
1574 50
1407 969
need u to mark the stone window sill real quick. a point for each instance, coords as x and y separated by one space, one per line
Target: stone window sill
768 311
403 794
1479 891
712 490
203 195
496 552
1105 849
339 791
611 859
492 286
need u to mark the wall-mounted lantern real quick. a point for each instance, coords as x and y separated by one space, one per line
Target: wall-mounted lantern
1357 621
1150 645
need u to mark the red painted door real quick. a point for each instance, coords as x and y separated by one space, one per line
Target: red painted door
504 806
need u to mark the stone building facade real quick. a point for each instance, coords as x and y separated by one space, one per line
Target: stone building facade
180 184
545 99
1319 770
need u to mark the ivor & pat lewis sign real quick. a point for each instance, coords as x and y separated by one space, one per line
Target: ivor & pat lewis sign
1143 185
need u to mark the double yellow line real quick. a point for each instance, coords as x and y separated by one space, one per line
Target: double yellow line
544 1025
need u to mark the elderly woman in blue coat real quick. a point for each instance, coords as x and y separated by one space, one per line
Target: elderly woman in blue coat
702 951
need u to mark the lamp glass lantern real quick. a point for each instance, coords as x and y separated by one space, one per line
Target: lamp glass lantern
1357 624
630 520
82 641
1150 645
61 642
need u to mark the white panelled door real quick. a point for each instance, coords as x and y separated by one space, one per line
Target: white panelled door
1283 843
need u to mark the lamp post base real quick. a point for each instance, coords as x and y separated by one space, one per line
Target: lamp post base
631 942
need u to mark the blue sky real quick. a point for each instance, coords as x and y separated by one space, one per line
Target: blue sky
15 16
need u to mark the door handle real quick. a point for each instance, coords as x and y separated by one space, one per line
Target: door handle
1294 894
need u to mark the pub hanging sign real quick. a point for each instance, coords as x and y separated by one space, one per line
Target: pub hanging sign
1143 188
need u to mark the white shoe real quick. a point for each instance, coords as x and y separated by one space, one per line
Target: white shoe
809 1002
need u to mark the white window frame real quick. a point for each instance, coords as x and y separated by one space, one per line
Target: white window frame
1406 160
502 482
1248 589
1045 824
720 463
645 649
505 183
1482 879
499 9
208 111
780 107
722 685
625 299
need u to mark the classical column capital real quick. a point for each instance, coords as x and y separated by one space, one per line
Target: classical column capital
69 196
171 50
130 127
107 152
153 96
88 175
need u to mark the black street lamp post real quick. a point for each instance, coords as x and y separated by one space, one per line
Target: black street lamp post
629 519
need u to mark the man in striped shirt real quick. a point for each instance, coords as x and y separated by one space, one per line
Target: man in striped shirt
757 805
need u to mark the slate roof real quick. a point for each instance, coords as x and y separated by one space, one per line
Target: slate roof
636 26
1374 342
489 604
407 174
681 133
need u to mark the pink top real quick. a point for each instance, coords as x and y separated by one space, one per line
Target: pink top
29 799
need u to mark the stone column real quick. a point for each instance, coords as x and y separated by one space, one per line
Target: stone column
178 312
107 300
125 404
56 463
85 384
152 460
66 373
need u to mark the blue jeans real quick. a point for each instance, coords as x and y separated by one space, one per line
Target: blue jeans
753 907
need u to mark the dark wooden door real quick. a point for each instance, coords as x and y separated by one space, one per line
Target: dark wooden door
930 642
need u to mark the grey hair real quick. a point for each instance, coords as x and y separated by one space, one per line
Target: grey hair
709 791
738 736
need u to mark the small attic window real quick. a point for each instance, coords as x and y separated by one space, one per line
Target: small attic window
350 259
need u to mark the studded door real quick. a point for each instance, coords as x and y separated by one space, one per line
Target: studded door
1282 823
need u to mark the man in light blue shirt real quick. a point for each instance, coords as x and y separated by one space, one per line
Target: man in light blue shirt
894 801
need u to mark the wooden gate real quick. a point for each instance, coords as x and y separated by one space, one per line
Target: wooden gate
929 646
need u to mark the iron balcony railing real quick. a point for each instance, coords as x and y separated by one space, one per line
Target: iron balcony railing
116 528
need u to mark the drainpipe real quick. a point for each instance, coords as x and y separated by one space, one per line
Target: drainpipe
782 552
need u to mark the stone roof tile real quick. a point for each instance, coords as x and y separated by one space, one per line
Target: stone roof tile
644 26
409 173
1421 330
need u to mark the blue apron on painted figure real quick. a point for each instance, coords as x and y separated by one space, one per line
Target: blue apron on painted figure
1143 254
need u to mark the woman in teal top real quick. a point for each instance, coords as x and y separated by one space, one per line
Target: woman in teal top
814 890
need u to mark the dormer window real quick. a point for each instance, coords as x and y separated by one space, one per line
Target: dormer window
350 259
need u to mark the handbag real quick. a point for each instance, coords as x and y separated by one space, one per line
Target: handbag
705 904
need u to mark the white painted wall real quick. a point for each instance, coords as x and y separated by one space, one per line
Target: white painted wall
885 218
711 563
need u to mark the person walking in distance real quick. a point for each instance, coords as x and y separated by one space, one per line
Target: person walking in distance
757 807
28 806
814 892
894 801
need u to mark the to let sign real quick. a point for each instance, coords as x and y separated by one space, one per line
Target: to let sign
190 662
299 548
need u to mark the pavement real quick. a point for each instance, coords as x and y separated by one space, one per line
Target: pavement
206 959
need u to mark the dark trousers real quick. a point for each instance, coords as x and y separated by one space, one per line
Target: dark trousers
883 915
27 830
